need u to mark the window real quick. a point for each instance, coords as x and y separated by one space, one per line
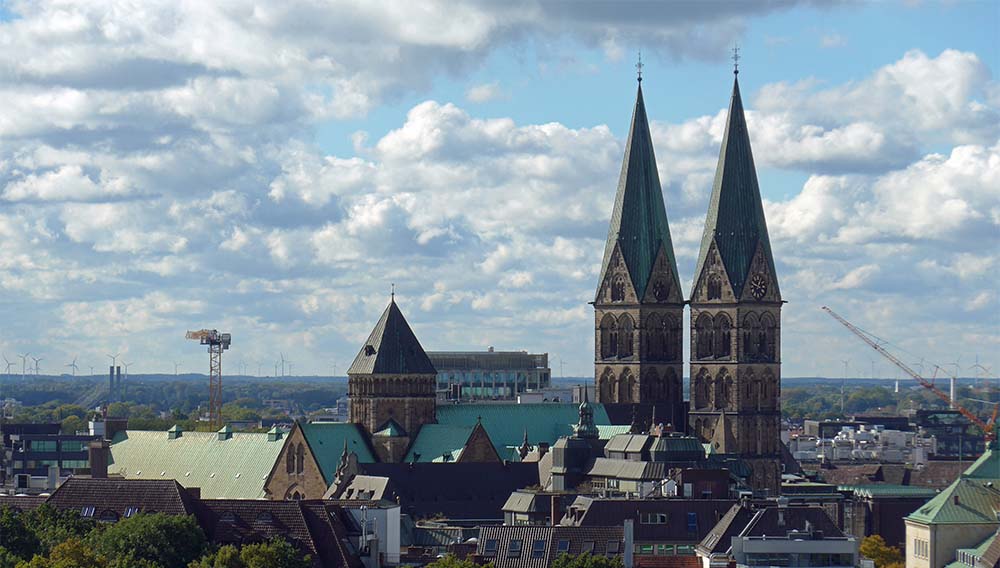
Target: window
130 511
300 457
563 546
514 549
588 547
87 511
490 547
265 517
644 549
614 547
43 445
290 459
74 464
626 337
73 446
664 549
714 287
228 517
538 549
921 548
618 289
692 524
705 337
109 516
723 343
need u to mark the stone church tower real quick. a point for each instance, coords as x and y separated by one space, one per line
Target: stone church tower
735 318
639 307
391 386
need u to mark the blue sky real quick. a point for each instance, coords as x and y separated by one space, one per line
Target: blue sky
270 169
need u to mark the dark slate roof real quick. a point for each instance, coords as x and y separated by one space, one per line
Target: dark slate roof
22 502
735 212
590 511
312 526
639 220
935 474
779 521
456 491
119 495
595 538
720 538
392 348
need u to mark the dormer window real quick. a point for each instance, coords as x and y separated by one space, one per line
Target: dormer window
369 350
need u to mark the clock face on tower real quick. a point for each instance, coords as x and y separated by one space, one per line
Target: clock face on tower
758 285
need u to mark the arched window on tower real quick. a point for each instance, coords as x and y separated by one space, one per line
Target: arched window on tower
609 337
704 336
626 386
290 459
618 289
723 343
654 339
703 397
626 336
722 384
605 386
750 328
672 338
770 331
714 287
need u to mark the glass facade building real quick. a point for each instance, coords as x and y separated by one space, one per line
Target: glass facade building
489 375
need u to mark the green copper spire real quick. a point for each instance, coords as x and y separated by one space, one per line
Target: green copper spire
639 220
735 212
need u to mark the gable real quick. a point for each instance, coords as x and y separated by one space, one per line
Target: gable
326 440
479 447
712 270
617 270
664 286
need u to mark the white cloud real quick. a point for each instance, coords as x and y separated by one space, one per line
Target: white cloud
832 40
485 93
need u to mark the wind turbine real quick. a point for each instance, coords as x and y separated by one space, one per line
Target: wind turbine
24 365
282 363
114 360
290 365
37 360
91 370
9 365
176 365
73 366
126 365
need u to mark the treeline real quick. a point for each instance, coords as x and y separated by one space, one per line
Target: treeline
49 538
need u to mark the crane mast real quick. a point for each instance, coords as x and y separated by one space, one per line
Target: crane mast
987 428
216 343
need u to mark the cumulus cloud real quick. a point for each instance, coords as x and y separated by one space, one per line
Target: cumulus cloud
484 93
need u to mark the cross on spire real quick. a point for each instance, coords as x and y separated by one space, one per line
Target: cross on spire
736 59
392 291
638 66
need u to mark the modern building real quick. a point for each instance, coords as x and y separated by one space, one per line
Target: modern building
528 546
735 318
880 509
31 451
490 375
952 432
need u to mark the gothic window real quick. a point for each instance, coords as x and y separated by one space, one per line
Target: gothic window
748 380
609 337
722 382
626 336
702 389
669 335
660 290
770 331
618 289
626 386
650 387
751 328
654 341
605 386
704 337
723 345
714 287
290 459
300 459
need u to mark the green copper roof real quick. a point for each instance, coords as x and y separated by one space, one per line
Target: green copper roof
505 424
231 468
888 490
392 348
390 429
639 220
326 440
735 212
976 503
986 467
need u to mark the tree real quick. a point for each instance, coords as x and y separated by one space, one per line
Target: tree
451 561
18 539
155 540
277 553
883 555
586 561
73 553
7 558
52 526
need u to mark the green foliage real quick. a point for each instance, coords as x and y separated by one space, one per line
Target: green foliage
883 555
276 553
73 553
52 526
586 561
18 539
151 540
7 558
451 561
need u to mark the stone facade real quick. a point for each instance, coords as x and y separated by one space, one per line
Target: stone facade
296 474
409 400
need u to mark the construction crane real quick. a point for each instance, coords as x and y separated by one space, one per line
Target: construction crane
217 343
986 427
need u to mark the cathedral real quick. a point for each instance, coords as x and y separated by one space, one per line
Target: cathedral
735 369
735 374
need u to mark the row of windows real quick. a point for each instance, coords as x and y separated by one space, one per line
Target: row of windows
713 337
538 547
661 336
295 458
921 548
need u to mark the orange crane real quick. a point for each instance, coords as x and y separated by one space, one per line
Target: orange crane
217 343
987 427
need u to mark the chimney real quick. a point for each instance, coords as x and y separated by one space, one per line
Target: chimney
98 453
111 383
555 509
118 382
52 482
627 533
543 448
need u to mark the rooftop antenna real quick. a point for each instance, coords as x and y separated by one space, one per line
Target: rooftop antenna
73 366
24 364
736 59
37 360
392 291
638 68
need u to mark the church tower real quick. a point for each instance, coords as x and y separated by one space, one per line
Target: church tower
735 318
638 308
391 386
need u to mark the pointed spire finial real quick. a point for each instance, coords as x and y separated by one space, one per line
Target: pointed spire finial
392 292
736 59
638 67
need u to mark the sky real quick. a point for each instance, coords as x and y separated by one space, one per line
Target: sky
270 169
